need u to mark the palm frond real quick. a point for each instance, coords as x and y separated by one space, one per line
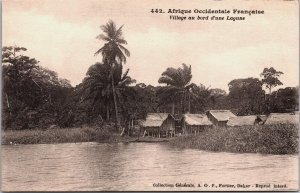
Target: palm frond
125 50
99 51
166 80
121 41
120 56
119 33
125 75
103 37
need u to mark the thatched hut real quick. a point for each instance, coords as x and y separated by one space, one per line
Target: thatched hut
243 121
282 118
219 117
159 125
195 123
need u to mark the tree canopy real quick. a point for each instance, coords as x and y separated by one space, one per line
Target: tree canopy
271 78
36 97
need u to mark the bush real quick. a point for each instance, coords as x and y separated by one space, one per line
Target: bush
269 139
57 135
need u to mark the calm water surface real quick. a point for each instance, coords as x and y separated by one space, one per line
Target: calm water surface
137 166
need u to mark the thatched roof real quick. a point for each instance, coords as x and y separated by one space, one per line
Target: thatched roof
281 118
242 120
155 119
222 115
157 116
197 119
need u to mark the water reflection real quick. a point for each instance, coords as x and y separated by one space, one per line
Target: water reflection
136 166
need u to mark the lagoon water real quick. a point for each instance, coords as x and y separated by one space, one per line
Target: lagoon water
140 166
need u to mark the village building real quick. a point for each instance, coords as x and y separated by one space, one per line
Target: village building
195 123
243 121
159 125
219 117
282 118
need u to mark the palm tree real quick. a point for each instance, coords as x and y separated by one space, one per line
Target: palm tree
97 85
114 54
178 86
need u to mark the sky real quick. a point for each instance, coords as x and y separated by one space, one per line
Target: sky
61 34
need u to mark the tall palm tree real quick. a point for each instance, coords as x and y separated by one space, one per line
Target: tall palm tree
178 86
113 53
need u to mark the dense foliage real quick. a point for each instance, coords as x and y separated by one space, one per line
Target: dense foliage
35 97
267 139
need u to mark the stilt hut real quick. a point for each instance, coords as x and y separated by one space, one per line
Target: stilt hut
219 117
195 123
159 125
282 118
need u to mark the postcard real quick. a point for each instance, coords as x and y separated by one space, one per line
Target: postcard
150 95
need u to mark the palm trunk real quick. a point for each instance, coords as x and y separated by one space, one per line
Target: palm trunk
8 106
107 112
131 123
182 105
173 108
184 102
115 100
189 102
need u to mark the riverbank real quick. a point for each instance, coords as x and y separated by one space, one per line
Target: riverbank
267 139
275 139
62 135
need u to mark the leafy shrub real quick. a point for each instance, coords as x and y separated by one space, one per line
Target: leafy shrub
268 139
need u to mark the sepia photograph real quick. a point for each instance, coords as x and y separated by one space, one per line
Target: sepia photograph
150 95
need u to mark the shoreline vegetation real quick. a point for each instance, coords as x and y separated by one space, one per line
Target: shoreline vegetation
62 135
45 108
265 139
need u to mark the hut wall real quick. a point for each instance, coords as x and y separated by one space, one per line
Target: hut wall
222 123
168 125
212 118
179 127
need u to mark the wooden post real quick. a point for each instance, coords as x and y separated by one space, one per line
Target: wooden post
159 132
123 130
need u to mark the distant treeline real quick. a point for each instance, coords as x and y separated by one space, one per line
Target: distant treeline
35 97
